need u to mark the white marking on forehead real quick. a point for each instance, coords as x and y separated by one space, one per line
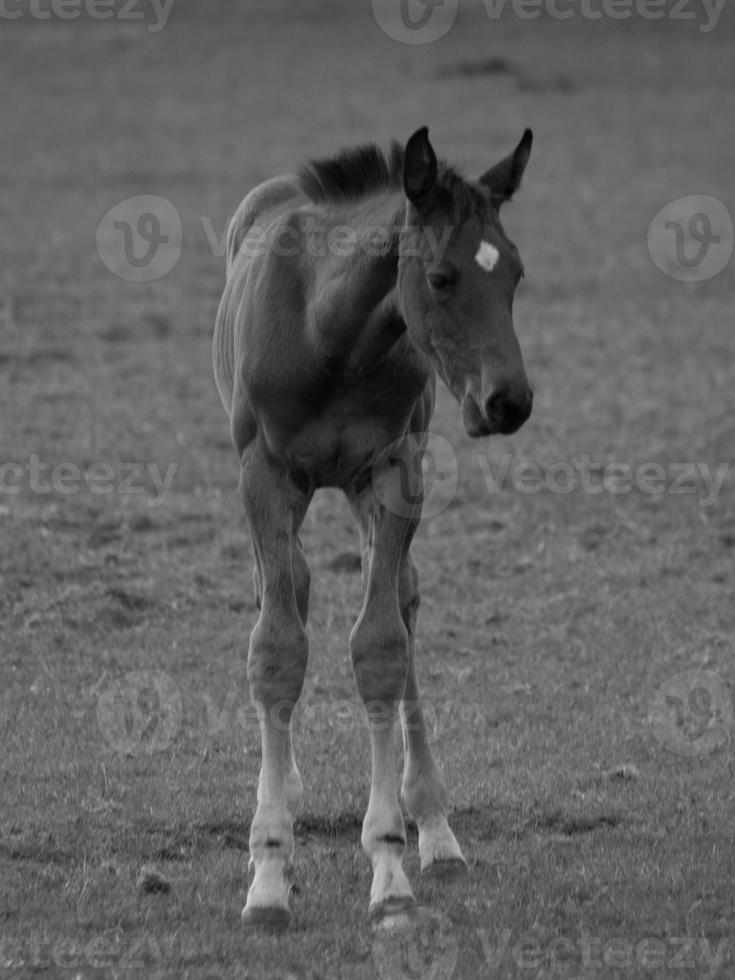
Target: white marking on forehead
487 256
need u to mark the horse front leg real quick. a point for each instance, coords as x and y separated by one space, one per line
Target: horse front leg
379 648
423 789
302 582
276 667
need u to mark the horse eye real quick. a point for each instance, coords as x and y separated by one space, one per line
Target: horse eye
440 282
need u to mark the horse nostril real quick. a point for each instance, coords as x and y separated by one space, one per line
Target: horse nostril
505 413
496 406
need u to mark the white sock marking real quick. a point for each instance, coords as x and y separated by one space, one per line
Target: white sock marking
487 256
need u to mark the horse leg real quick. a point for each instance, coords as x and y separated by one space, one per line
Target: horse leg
423 790
276 667
302 583
379 648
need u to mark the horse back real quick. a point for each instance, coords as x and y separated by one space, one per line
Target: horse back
247 253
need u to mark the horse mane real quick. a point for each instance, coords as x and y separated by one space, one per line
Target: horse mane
355 173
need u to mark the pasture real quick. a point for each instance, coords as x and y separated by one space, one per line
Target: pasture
564 606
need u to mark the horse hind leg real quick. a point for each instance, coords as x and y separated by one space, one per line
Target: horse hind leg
423 789
276 668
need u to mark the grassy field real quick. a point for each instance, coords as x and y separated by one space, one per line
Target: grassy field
554 625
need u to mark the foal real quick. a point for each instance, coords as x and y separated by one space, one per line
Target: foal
349 288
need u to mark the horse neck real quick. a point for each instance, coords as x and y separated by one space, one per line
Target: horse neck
357 295
382 216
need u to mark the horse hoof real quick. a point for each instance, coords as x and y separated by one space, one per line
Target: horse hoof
449 869
392 912
274 921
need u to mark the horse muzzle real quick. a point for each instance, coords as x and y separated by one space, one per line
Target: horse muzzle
502 412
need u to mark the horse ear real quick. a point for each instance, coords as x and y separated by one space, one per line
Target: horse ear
419 168
505 177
